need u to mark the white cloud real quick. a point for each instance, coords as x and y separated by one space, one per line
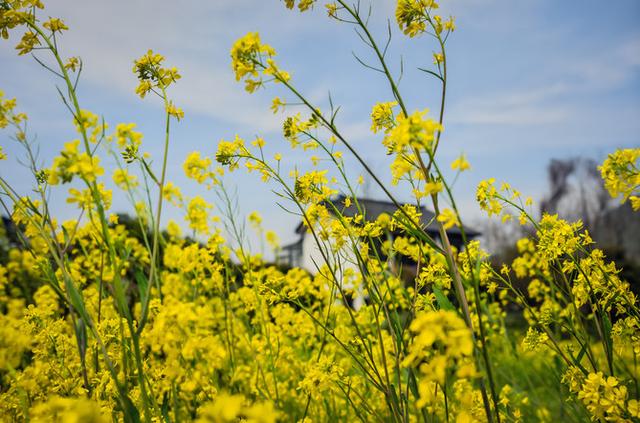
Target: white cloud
530 107
603 69
568 76
195 37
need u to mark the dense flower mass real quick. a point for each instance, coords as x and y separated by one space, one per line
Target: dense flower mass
621 174
606 399
392 316
415 131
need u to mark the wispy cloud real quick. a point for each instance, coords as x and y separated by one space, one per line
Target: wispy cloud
530 107
196 39
604 70
556 101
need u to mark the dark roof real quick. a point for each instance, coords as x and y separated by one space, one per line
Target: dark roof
12 231
296 245
374 208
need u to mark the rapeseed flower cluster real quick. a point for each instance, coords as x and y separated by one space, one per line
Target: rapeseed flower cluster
152 75
250 58
606 399
621 174
415 17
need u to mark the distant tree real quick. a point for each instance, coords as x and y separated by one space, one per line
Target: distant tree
576 191
500 238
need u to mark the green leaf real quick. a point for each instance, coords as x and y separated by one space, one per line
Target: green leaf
164 409
583 350
606 325
81 335
131 413
431 73
66 236
76 298
442 299
120 297
143 284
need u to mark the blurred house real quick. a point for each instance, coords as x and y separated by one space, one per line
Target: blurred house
616 231
304 252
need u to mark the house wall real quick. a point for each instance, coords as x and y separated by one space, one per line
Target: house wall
311 256
311 253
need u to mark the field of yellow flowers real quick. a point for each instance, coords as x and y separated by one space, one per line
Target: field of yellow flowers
103 321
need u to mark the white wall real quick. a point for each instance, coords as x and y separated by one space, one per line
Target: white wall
311 253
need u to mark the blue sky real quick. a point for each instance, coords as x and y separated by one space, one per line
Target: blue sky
529 81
